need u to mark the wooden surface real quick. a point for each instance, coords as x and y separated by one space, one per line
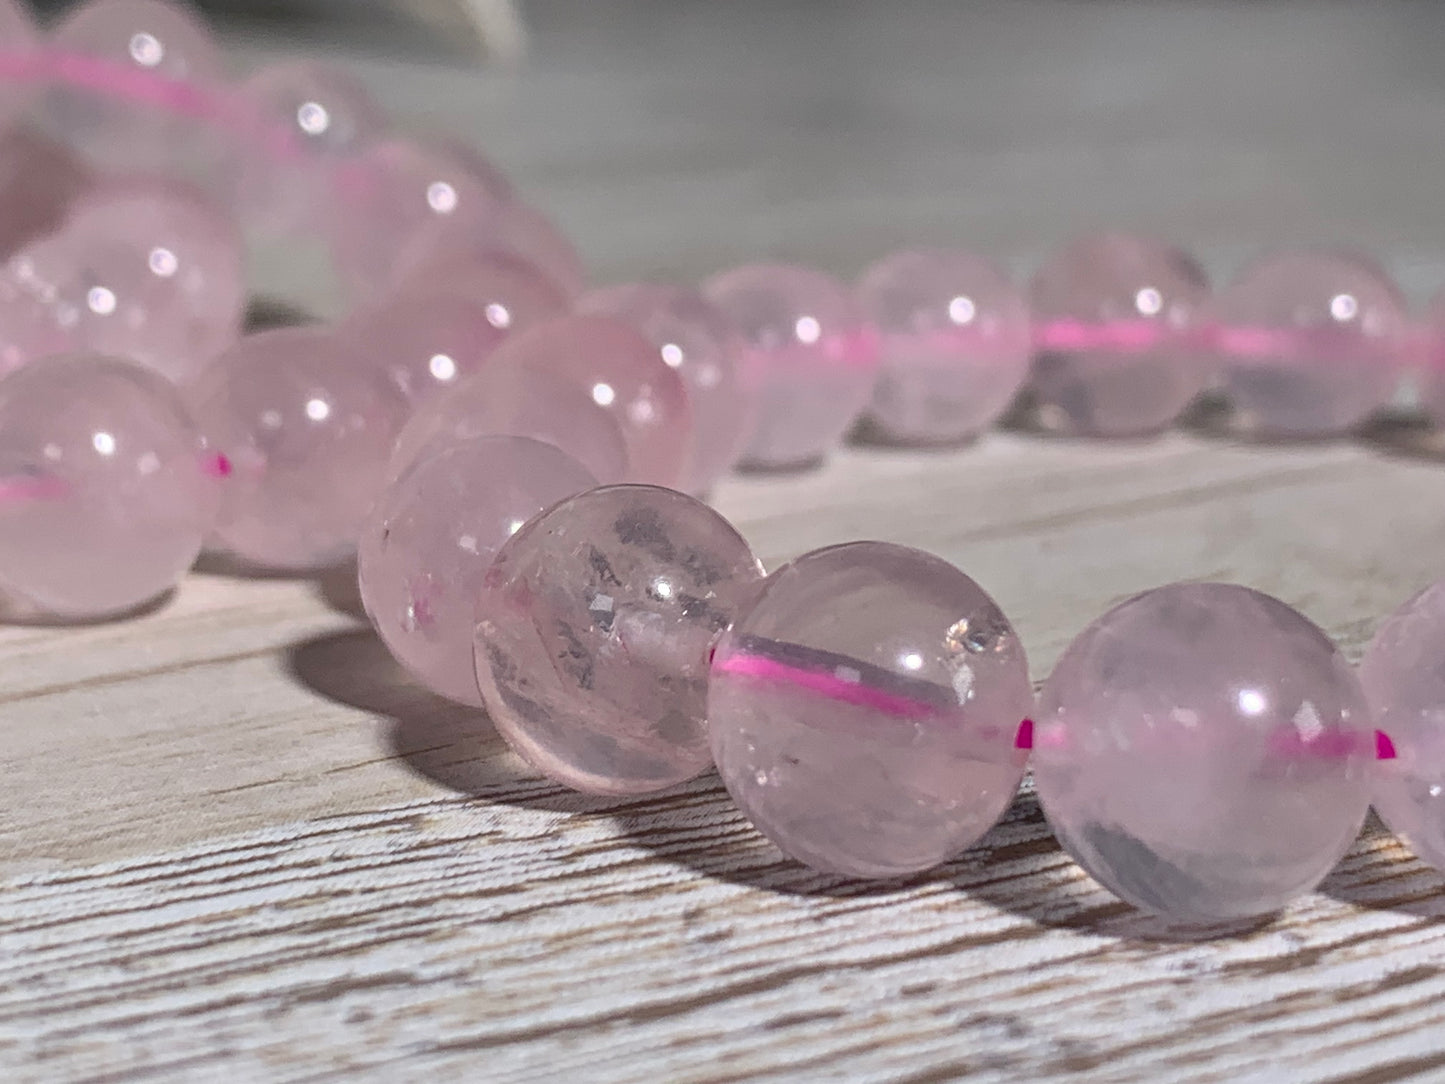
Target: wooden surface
236 845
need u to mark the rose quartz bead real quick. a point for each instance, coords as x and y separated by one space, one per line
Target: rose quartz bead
28 328
1309 343
39 180
1112 317
307 433
597 621
815 358
529 404
533 236
422 346
1405 688
1204 751
954 344
871 747
327 114
145 270
431 538
105 496
696 339
400 201
150 36
624 374
516 293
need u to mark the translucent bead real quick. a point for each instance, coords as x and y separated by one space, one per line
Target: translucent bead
815 358
1308 343
327 114
526 231
954 344
1204 752
28 328
1405 688
401 200
431 538
1113 316
307 433
39 181
529 404
597 621
696 339
154 37
422 346
871 746
105 494
624 374
144 270
516 294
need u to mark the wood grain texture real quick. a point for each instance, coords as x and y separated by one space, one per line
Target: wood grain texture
235 844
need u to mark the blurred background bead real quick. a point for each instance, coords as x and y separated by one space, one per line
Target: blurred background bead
624 374
532 235
145 270
39 181
401 200
533 404
307 433
431 538
815 358
422 346
954 344
28 327
1205 752
518 293
17 36
153 37
1308 343
597 621
864 714
694 338
1114 313
1405 687
104 495
1429 360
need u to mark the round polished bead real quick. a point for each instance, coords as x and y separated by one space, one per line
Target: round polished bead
515 293
954 344
865 712
532 404
694 338
29 330
532 235
144 270
1308 343
1204 752
307 433
624 374
150 38
422 346
1113 316
1405 687
815 359
105 494
431 538
398 202
597 621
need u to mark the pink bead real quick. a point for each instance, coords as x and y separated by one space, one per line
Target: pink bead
153 37
597 622
1113 315
39 180
105 494
28 328
694 338
815 358
529 233
307 433
624 374
399 202
423 346
865 712
1405 687
17 37
532 404
518 294
431 538
954 343
145 270
327 114
1308 343
1204 751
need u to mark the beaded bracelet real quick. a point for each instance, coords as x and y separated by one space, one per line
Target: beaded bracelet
868 706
